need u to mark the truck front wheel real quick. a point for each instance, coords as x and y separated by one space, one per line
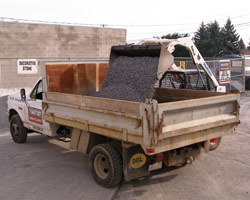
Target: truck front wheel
17 130
106 165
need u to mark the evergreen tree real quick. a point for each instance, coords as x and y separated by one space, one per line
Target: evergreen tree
230 39
201 34
242 46
201 39
215 42
208 39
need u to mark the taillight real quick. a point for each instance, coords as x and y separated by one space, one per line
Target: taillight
150 150
159 157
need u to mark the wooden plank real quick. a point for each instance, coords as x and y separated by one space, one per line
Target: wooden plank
77 78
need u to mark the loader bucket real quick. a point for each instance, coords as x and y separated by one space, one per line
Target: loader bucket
165 57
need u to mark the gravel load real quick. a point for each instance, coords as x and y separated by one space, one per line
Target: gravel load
130 78
4 123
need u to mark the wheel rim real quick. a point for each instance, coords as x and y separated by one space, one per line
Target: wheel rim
15 129
101 165
214 141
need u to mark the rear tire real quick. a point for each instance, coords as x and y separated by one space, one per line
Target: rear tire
117 145
106 165
17 130
247 84
214 143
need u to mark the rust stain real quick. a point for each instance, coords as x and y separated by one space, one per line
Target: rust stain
158 128
139 123
148 120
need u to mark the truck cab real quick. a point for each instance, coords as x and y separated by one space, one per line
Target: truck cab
25 113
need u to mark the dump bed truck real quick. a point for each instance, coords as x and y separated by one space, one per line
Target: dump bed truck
124 139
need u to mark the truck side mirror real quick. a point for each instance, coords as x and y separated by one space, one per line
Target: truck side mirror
23 94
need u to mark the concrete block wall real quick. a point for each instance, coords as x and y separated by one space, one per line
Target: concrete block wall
50 43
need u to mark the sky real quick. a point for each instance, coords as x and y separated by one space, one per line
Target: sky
142 19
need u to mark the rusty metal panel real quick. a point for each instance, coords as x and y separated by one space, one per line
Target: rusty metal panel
191 121
162 126
83 78
194 137
86 116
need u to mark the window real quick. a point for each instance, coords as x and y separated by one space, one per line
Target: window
195 80
37 92
172 80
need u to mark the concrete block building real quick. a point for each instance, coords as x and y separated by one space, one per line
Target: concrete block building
41 42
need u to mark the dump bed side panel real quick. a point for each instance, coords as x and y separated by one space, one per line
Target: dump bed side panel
113 118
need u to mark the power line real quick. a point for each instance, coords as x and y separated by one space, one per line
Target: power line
107 25
48 22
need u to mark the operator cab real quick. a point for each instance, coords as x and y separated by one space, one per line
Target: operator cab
185 79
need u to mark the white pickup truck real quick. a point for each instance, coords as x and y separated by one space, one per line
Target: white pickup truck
123 138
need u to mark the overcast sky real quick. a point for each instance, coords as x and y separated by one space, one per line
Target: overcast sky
142 18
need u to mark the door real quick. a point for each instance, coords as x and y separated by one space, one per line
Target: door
34 110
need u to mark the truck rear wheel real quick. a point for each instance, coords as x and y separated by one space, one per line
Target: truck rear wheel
17 130
106 165
214 143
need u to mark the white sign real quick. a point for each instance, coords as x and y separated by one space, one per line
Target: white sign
27 66
225 75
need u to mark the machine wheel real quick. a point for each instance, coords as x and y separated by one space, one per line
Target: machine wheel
106 165
214 143
247 84
17 130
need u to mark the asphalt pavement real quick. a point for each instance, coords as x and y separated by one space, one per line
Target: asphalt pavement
39 170
3 113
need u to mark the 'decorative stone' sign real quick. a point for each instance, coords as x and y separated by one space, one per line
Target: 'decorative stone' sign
27 66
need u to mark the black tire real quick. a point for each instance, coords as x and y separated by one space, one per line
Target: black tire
17 130
117 145
106 165
247 84
214 143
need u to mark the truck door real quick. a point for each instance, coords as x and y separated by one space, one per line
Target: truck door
34 110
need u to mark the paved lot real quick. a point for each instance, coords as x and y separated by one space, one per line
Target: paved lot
40 170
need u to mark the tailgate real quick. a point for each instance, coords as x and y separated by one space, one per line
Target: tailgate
191 121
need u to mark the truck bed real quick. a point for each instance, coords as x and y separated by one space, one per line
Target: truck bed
172 119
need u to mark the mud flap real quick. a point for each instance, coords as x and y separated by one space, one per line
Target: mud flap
135 162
